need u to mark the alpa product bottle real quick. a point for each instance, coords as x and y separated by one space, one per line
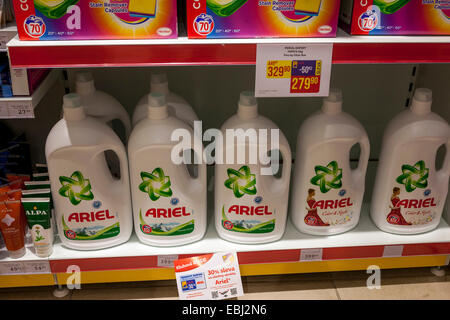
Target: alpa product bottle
176 105
169 204
327 194
99 104
250 199
93 208
409 193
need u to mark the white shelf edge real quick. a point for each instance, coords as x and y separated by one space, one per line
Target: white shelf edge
342 37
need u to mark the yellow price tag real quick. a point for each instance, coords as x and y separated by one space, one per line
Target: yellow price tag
278 69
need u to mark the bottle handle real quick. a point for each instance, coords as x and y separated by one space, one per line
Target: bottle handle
123 163
360 172
445 170
282 183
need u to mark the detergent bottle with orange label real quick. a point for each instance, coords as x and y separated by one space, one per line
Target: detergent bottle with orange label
410 192
327 193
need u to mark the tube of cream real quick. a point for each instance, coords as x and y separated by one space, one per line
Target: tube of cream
11 227
40 177
37 211
42 193
30 185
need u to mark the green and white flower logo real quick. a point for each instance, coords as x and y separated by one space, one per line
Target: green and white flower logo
76 188
156 184
413 177
241 181
327 178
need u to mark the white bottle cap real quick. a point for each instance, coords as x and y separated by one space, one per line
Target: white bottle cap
157 106
159 83
73 110
247 106
333 103
84 83
422 100
16 254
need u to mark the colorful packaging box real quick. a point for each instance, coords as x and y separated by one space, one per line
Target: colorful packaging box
261 18
95 19
396 17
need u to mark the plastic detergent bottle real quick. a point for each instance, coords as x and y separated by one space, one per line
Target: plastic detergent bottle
250 198
176 105
169 203
409 192
327 194
93 209
99 104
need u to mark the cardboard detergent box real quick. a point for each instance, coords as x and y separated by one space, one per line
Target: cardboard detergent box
95 19
395 17
261 18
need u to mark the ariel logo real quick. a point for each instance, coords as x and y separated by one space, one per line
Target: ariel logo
327 178
156 184
414 176
76 188
241 181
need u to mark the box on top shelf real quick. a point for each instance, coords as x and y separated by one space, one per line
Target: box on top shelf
95 19
262 18
396 17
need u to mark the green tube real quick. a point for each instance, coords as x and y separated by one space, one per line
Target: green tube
37 211
41 193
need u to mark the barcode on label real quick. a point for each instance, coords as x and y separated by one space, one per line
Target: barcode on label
167 260
214 294
311 254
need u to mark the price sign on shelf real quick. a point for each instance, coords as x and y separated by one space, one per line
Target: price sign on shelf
167 260
289 70
22 109
37 267
311 254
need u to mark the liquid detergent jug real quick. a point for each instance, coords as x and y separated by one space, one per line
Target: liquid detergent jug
169 204
327 194
250 201
99 104
176 105
409 193
93 209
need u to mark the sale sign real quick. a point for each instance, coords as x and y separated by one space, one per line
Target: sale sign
293 70
209 277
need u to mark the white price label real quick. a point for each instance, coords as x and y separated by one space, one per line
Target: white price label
37 267
20 110
293 70
311 254
393 251
167 260
10 268
209 277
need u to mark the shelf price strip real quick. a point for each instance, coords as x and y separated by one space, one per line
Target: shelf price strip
25 267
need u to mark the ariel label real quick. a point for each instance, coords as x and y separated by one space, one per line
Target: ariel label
247 213
86 218
164 214
332 205
412 201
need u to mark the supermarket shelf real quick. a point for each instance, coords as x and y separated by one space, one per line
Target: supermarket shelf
355 250
183 51
6 34
19 107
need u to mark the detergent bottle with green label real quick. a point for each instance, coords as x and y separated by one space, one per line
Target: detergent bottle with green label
327 193
251 187
92 207
177 106
99 104
410 192
169 201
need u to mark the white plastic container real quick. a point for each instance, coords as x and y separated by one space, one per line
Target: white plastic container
409 193
92 208
327 194
99 104
177 106
169 204
251 207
